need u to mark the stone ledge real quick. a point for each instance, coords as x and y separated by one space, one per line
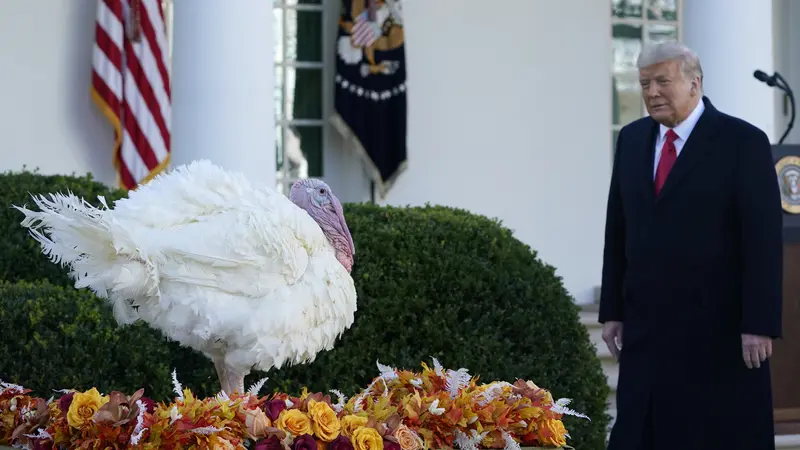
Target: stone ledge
788 442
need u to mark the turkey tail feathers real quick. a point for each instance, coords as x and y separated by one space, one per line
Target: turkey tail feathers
100 253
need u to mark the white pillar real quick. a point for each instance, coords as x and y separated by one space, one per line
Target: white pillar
733 38
222 85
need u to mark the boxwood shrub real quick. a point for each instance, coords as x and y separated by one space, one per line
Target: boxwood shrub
432 282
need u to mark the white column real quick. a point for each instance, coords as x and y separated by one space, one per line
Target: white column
222 85
733 38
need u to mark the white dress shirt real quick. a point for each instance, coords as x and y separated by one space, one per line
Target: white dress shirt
683 130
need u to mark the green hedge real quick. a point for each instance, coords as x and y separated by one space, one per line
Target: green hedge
431 281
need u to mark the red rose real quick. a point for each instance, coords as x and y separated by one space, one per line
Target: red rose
149 404
65 401
341 443
270 443
390 445
273 409
304 442
42 444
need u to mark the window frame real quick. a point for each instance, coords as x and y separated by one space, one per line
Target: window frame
283 177
644 22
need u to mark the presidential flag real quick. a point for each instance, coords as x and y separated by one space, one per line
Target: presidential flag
370 99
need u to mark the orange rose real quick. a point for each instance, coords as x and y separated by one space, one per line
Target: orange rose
324 421
294 421
84 406
351 423
256 422
552 433
407 438
365 438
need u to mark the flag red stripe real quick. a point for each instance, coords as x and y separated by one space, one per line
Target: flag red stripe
146 91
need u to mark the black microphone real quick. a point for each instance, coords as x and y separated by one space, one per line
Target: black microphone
776 80
764 78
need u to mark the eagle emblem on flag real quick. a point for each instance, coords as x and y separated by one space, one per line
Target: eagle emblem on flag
374 25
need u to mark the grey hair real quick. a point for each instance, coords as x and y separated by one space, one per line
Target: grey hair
669 51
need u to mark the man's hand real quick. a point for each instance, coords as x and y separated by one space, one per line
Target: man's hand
612 334
755 349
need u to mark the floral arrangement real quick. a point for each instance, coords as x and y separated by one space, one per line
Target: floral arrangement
400 410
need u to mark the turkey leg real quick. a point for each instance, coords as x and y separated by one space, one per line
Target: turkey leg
230 379
236 381
221 374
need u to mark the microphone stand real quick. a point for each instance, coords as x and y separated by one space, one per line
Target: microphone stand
784 86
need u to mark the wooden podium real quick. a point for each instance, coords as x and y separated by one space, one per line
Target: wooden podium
786 352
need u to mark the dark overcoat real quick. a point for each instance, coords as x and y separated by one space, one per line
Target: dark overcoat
687 272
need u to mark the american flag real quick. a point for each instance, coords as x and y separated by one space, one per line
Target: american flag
365 30
130 85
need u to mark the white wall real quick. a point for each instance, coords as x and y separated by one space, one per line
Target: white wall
509 116
46 117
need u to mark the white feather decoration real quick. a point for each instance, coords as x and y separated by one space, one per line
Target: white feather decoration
139 429
177 387
472 442
257 386
456 381
511 444
560 407
341 400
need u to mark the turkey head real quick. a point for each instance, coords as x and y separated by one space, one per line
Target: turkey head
317 199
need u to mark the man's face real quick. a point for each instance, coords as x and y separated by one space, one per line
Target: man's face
668 94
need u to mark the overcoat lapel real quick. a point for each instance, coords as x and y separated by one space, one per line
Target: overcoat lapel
696 148
648 142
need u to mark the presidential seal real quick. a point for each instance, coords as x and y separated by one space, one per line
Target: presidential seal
788 169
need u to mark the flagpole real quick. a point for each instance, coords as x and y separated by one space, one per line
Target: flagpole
372 7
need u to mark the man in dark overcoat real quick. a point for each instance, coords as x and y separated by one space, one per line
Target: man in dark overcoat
692 268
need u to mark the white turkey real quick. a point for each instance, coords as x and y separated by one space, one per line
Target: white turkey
237 271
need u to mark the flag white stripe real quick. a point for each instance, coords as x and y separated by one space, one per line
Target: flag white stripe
107 71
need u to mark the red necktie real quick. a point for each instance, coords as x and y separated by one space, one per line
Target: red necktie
668 156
